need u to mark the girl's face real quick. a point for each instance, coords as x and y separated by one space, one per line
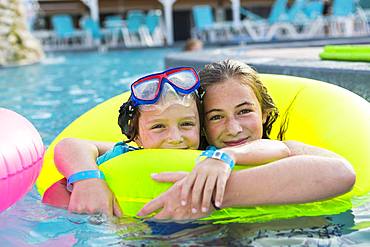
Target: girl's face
233 114
177 126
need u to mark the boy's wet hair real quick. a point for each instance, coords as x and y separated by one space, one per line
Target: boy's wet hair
222 71
128 119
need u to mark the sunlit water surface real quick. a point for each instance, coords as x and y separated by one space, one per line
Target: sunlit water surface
65 85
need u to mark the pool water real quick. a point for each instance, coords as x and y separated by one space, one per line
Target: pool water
52 94
65 85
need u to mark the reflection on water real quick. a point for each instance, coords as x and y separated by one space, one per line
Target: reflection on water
54 93
30 222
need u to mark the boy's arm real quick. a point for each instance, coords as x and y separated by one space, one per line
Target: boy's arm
73 155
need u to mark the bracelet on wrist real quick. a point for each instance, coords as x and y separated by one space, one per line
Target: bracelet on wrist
214 153
83 175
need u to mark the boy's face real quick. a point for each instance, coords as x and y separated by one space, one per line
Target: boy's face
176 126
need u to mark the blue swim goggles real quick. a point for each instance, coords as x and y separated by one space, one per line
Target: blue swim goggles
147 90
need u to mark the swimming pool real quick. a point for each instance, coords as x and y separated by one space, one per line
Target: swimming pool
65 85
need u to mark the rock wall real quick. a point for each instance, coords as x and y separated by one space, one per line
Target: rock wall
17 45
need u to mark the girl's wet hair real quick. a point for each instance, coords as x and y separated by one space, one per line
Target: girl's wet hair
222 71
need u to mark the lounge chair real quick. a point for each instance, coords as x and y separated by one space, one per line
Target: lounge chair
364 5
345 20
131 32
206 29
113 29
278 12
93 29
308 18
363 10
314 9
65 33
250 15
296 11
315 26
276 26
152 31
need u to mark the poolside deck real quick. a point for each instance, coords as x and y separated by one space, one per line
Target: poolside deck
290 59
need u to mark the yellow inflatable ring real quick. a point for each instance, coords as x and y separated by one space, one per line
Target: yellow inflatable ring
321 114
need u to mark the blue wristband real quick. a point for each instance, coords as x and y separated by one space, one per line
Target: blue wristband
219 155
78 176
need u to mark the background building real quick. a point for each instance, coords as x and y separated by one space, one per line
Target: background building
182 17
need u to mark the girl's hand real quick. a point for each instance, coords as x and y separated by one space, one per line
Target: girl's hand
207 177
169 202
93 196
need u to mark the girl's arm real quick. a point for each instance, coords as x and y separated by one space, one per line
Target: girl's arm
299 148
211 175
258 152
309 174
297 179
73 155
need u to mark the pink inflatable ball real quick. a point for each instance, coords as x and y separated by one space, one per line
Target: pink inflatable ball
21 153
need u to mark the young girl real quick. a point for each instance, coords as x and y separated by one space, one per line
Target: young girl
238 113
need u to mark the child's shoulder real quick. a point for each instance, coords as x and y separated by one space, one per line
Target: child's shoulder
123 147
118 149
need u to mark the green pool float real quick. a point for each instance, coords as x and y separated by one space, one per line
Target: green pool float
358 53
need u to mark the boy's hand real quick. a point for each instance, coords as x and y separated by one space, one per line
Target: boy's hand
93 196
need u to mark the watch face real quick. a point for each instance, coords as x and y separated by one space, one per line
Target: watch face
217 155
